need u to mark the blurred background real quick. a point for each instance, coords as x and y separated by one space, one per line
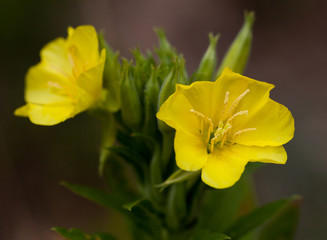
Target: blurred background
289 50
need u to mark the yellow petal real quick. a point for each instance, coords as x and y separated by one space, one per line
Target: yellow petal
49 115
91 80
54 57
236 85
45 87
22 111
274 125
84 40
225 166
204 97
175 111
190 150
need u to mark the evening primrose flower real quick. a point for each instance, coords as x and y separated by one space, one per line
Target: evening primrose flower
67 81
223 125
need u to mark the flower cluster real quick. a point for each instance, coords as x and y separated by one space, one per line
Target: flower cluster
156 119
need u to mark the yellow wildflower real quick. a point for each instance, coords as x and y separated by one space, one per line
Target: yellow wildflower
223 125
67 81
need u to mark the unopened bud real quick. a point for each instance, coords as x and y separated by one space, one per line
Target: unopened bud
207 67
238 53
131 107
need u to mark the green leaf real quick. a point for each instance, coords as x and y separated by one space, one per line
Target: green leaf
204 234
283 226
102 198
146 219
76 234
223 206
238 53
258 217
177 177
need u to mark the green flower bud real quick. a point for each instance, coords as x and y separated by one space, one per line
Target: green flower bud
238 53
142 69
165 52
131 107
205 71
182 76
168 87
111 76
151 93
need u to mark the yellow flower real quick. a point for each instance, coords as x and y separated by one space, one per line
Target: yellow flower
67 81
223 125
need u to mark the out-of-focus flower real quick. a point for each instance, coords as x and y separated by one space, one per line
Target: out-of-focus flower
223 125
67 81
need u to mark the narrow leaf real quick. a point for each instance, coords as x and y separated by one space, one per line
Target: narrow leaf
204 234
258 217
97 196
76 234
177 177
284 225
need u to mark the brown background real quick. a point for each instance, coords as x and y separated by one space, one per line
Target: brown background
289 50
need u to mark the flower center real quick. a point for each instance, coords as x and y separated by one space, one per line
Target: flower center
216 136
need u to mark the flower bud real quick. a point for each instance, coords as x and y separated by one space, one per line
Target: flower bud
168 87
131 107
238 53
151 93
111 77
205 71
165 51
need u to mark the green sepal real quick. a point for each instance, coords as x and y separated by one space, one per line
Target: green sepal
131 107
258 217
207 67
77 234
238 53
111 76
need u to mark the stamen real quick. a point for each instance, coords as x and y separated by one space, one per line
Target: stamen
225 105
238 133
210 129
204 120
245 112
237 100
